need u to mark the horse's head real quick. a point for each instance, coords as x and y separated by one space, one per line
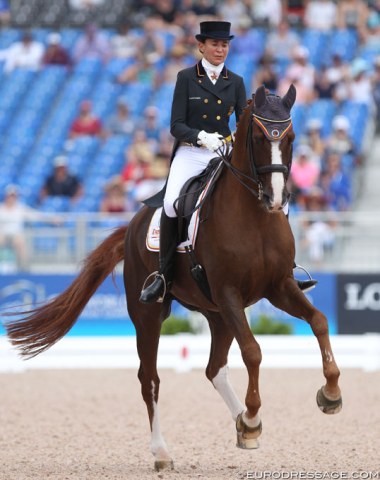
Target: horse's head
270 139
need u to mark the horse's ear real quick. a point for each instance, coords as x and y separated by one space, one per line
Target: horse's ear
290 97
260 97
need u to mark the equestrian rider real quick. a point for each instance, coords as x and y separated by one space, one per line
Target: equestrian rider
205 97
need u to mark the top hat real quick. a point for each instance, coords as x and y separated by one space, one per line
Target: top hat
214 30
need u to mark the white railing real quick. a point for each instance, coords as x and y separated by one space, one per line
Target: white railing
61 242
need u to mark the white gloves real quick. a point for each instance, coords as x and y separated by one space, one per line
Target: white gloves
212 141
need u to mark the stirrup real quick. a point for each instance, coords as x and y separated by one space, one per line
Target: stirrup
160 275
304 270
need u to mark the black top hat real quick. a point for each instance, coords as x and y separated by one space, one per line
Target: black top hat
215 30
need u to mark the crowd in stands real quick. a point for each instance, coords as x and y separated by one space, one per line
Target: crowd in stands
276 43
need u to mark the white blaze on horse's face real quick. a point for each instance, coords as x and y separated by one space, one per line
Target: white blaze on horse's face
278 180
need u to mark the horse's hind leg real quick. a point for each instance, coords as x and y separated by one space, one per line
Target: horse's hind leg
217 370
293 301
147 320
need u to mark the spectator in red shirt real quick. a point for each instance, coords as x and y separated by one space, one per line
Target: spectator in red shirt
86 123
55 53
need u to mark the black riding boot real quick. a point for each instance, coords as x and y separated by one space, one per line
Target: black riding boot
305 285
155 292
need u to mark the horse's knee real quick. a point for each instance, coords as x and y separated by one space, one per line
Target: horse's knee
252 355
318 323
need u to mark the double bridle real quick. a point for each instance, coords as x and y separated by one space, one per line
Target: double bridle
256 171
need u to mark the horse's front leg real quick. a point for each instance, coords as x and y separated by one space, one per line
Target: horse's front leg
290 299
248 423
217 369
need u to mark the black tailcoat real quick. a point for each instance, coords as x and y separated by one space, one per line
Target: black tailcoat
198 104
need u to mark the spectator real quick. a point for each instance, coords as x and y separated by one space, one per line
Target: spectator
323 87
305 169
314 138
359 85
178 60
5 13
267 13
282 42
114 200
320 15
25 54
246 41
352 14
120 123
165 9
151 45
61 182
55 53
266 74
294 11
151 125
13 215
92 44
142 71
301 69
86 123
232 11
318 234
124 43
336 184
339 141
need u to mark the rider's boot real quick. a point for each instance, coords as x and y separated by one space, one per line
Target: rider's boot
305 285
155 292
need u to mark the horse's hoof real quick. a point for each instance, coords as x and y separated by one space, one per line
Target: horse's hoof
163 465
330 407
247 436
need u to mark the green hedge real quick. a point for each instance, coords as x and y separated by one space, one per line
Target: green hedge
267 326
173 325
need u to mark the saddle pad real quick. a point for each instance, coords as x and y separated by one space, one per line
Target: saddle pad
153 235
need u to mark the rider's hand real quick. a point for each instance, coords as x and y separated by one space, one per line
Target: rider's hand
212 141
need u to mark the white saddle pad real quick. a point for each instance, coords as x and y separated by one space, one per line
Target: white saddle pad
153 235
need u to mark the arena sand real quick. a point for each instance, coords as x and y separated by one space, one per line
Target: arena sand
76 424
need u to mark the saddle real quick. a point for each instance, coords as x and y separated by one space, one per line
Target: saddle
187 202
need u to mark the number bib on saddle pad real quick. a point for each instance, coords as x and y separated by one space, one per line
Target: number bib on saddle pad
153 235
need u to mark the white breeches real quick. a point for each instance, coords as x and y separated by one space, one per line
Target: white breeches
188 162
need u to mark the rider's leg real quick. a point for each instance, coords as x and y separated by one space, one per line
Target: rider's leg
168 244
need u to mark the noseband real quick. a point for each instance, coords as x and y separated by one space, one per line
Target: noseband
274 130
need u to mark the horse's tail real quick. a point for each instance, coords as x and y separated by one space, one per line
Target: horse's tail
43 326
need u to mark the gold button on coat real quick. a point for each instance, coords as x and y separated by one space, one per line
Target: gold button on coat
204 116
218 117
206 100
219 101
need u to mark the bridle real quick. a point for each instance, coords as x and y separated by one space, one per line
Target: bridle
276 134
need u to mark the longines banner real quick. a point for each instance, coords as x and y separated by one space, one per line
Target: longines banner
358 303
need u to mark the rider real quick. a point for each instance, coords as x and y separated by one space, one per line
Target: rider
205 97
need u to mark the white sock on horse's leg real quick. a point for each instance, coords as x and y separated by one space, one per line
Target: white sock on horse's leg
225 390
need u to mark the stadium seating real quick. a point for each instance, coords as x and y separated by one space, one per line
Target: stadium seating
37 108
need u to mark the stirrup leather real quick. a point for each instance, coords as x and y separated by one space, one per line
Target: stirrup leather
159 275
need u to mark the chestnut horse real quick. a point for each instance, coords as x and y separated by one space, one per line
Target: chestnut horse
247 250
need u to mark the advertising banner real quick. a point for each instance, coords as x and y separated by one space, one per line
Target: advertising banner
106 313
323 297
359 303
